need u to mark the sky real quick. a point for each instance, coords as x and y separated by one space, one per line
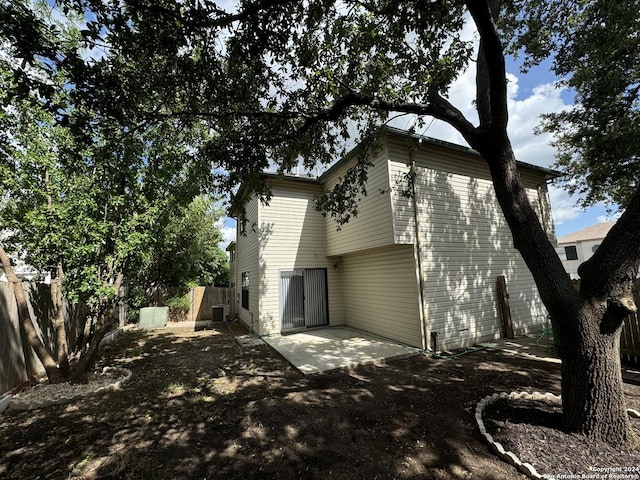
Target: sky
530 96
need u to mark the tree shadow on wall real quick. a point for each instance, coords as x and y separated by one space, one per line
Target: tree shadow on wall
466 245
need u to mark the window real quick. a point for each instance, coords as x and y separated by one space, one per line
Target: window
571 252
242 224
595 247
245 290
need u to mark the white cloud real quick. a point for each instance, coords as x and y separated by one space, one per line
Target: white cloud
525 111
563 207
609 217
227 227
569 218
525 115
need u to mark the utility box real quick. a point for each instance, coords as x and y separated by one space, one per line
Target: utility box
153 317
220 313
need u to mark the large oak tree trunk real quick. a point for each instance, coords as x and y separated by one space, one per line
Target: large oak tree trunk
588 322
592 388
80 371
103 324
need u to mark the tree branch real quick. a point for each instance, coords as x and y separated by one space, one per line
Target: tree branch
491 65
43 353
221 18
438 107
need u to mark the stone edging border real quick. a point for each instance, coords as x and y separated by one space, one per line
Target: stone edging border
510 457
31 405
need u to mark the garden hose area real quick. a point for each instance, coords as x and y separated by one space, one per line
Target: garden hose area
433 354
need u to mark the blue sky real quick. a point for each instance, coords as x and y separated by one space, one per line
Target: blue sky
568 218
531 95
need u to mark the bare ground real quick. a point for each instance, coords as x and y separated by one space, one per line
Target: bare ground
199 406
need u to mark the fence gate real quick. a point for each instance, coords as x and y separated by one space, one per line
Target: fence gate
303 298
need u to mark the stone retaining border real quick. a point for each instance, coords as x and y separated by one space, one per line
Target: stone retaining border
31 405
111 336
496 447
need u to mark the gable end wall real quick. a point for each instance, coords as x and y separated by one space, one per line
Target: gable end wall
247 261
292 236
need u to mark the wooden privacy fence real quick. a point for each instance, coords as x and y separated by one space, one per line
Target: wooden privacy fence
201 301
18 361
630 338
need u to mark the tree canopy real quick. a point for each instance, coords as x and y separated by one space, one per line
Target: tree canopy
596 51
85 195
187 250
310 80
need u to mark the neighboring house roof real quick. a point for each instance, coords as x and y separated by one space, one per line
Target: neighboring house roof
594 232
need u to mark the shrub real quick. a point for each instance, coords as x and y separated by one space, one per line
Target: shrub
178 308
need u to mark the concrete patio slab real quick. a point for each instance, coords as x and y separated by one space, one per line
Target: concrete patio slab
319 350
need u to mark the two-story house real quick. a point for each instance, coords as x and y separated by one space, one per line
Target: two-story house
418 268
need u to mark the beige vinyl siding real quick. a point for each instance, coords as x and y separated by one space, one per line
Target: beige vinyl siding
373 226
380 292
247 261
335 291
451 161
403 216
292 236
466 245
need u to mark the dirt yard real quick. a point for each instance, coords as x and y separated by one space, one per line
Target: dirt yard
199 406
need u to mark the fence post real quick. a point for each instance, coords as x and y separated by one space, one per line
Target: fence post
122 306
505 310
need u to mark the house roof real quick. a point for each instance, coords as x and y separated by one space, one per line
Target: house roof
594 232
549 173
291 176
